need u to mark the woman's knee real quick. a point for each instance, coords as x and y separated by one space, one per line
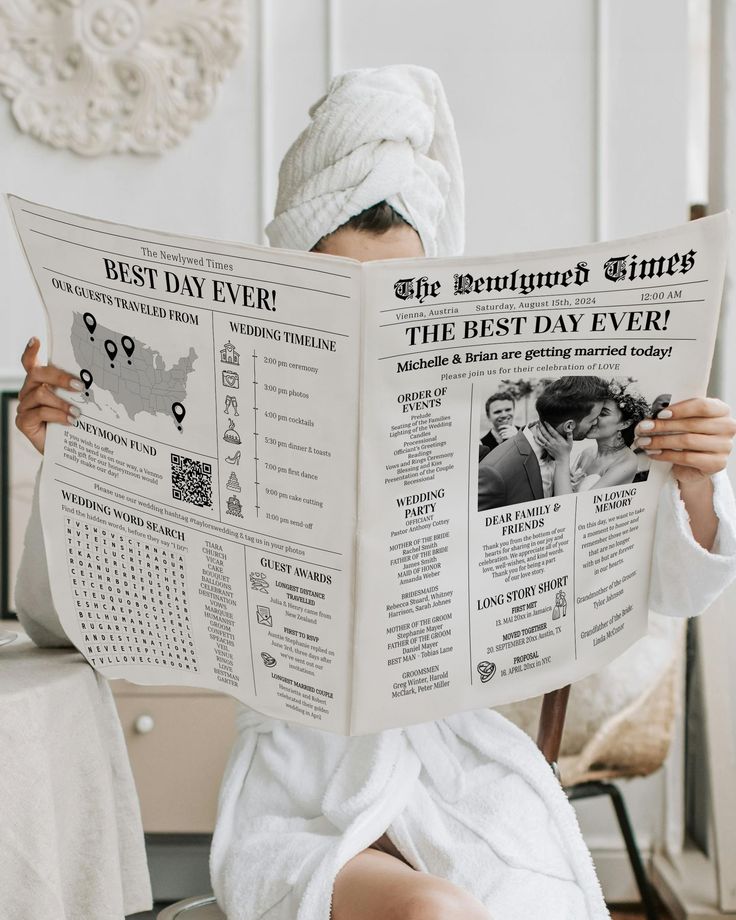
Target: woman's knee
437 899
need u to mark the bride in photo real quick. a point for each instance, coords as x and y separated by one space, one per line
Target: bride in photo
610 461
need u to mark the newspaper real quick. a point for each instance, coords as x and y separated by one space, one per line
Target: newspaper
360 496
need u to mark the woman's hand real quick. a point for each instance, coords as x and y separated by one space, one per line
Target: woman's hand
556 444
37 405
695 435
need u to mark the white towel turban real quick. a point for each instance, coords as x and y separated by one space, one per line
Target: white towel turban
383 134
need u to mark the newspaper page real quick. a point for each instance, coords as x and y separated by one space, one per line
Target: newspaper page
359 496
199 518
489 569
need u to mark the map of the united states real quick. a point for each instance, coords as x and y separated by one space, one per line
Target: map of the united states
134 374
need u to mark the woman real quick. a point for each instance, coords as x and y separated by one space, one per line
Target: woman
314 826
611 460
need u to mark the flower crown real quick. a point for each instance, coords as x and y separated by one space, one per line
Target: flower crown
633 406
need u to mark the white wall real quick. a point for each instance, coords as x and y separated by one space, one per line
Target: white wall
571 117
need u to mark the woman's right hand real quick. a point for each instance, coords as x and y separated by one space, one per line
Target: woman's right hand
37 404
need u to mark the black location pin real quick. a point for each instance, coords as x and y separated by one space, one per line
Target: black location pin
112 349
128 346
86 379
179 413
91 323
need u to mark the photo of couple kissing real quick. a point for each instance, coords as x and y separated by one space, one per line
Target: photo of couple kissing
542 458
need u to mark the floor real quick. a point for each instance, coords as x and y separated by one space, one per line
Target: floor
617 913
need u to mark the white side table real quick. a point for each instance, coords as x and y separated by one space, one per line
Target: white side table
71 839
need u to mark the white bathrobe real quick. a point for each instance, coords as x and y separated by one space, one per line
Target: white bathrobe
468 797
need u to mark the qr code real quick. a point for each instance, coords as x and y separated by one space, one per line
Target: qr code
191 481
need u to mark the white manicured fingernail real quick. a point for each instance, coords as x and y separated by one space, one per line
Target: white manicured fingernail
71 419
642 442
646 425
75 384
75 411
650 453
31 341
664 413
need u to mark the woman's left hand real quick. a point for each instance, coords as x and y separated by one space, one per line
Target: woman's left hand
695 435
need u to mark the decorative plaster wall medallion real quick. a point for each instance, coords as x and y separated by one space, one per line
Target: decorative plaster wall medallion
102 76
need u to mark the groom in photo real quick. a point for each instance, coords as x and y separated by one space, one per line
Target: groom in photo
520 470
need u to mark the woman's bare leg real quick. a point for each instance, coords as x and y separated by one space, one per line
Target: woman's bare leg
377 886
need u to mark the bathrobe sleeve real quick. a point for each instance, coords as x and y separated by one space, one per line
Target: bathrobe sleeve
686 578
33 602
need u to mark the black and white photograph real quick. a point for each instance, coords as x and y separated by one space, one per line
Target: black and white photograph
545 437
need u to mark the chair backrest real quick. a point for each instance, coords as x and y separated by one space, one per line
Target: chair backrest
552 723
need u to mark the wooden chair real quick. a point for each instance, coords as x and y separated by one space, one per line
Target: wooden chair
552 725
549 740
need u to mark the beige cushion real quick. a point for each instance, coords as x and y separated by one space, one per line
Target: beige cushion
620 720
